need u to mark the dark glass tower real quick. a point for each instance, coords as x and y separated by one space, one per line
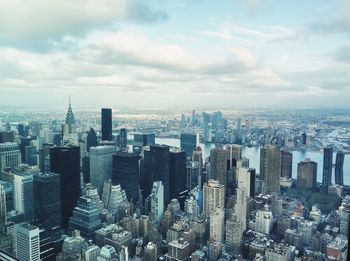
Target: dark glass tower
339 168
47 194
91 139
145 139
66 162
156 168
327 169
286 164
106 124
24 143
270 168
177 163
126 172
123 138
188 143
252 182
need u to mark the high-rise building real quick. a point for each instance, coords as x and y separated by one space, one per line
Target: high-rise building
24 195
192 177
156 168
123 138
246 179
188 142
150 252
30 155
69 132
213 197
263 220
47 195
25 141
178 250
10 155
157 201
126 172
66 162
101 165
307 174
3 210
91 139
241 206
327 168
286 164
27 242
144 139
177 167
7 136
218 165
270 168
86 218
208 133
344 218
339 168
234 232
234 154
106 123
217 225
44 157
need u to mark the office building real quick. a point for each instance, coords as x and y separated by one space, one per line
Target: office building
86 218
3 209
306 174
144 139
286 164
217 225
270 168
218 165
178 250
126 172
123 138
31 155
339 168
69 132
10 155
327 169
65 161
241 206
188 143
150 252
279 252
106 123
25 141
157 201
263 220
156 168
177 168
213 197
101 165
27 242
234 232
24 195
234 154
44 157
7 136
91 139
47 195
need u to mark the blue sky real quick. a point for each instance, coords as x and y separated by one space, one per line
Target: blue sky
175 53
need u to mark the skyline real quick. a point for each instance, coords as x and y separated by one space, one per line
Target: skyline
150 54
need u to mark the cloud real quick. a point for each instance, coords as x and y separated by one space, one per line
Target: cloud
331 26
343 54
33 22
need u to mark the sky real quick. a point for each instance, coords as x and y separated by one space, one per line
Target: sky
175 53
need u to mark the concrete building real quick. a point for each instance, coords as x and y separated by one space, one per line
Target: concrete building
27 242
213 197
10 155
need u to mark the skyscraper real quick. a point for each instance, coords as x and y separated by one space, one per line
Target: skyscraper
69 128
27 242
306 174
177 163
234 231
47 195
270 168
106 124
24 195
91 139
327 168
217 225
66 162
241 206
157 201
101 162
339 168
188 142
144 139
7 136
286 164
123 138
218 165
3 210
10 155
213 197
156 168
126 172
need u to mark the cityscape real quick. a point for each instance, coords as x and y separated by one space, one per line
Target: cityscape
174 130
210 185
